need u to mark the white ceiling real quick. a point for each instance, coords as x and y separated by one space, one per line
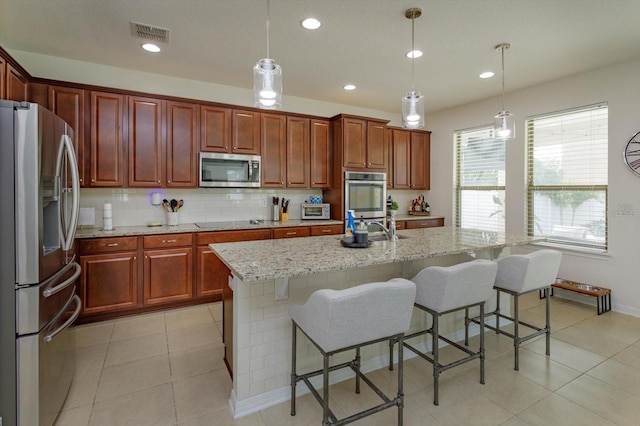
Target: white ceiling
360 41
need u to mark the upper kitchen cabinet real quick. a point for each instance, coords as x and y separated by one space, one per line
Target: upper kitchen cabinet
107 139
3 78
215 129
245 132
298 157
420 160
182 144
273 139
361 143
320 164
401 151
69 103
16 84
145 142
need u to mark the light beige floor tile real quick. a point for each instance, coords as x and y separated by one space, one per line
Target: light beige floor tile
617 326
614 404
224 417
152 407
539 369
83 389
199 395
505 387
417 375
566 354
556 410
216 311
195 361
629 356
618 375
93 334
308 412
141 325
187 338
133 376
514 421
91 357
601 343
136 348
78 416
187 317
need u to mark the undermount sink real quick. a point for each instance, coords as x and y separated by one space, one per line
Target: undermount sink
384 237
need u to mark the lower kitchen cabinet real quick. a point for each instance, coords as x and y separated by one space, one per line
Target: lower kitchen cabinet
292 232
319 230
168 266
425 223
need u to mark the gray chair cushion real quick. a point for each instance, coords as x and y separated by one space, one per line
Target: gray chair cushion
442 289
522 273
337 319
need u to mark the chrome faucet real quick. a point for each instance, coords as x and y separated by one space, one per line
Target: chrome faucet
391 232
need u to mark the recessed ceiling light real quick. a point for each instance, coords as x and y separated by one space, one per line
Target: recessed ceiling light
150 47
486 74
311 23
349 87
414 54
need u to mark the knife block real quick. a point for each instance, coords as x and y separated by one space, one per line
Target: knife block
284 216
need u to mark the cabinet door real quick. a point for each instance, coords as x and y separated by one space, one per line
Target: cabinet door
292 232
390 169
354 140
39 94
182 145
146 142
320 154
16 85
376 145
3 78
69 104
215 130
245 132
167 275
420 160
326 230
109 282
107 141
401 159
273 150
425 223
211 273
297 152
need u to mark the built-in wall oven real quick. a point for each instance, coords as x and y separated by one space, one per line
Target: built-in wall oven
365 193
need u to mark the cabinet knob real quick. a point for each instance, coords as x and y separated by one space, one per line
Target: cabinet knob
135 258
326 231
169 241
167 181
158 181
112 245
93 180
291 233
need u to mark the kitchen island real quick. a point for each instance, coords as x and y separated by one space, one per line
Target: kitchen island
267 276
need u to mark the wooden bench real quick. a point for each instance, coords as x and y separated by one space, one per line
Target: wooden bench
602 295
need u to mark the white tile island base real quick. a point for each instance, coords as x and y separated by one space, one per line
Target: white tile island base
261 324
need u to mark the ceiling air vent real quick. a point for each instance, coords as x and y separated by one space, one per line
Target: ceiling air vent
149 32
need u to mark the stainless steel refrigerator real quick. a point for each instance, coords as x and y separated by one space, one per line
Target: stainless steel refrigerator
39 192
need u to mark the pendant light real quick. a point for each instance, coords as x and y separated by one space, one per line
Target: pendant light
413 101
267 79
505 123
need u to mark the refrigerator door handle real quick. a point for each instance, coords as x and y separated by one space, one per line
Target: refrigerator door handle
50 336
67 235
50 291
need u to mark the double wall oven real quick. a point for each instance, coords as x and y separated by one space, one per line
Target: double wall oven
366 193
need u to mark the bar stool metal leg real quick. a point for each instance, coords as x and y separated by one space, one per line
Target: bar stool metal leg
294 379
400 382
548 324
325 391
391 343
357 366
436 365
466 326
516 338
481 343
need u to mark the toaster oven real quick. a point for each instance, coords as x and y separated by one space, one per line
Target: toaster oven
316 211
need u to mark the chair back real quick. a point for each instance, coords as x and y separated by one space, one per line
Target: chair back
522 273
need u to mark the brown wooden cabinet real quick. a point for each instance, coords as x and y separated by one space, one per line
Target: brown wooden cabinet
69 103
109 279
182 123
292 232
363 142
425 223
168 267
319 230
145 142
107 139
297 152
410 156
401 159
420 160
273 139
376 145
245 132
354 143
17 85
320 164
3 78
215 129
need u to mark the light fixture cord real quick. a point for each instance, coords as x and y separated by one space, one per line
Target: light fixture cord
413 51
502 50
268 25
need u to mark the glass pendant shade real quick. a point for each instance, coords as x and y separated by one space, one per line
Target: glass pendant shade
413 110
267 84
505 125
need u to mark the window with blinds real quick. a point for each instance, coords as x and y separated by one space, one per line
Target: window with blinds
480 179
567 176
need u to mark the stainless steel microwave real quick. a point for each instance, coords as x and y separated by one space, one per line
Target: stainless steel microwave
219 170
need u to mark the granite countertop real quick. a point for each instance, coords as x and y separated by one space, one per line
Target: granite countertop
269 259
122 231
415 217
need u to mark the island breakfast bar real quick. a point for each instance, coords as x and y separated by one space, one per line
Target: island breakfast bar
267 276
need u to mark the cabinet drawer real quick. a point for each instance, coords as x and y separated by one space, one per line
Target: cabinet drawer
293 232
424 223
326 230
233 236
168 240
106 245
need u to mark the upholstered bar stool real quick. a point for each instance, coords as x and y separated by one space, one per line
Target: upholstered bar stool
341 320
442 290
518 275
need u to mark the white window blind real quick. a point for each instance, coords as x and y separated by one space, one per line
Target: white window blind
567 156
480 179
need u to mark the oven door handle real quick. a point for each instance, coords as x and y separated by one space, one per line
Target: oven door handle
50 291
50 336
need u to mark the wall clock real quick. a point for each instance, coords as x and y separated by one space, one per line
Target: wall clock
632 154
